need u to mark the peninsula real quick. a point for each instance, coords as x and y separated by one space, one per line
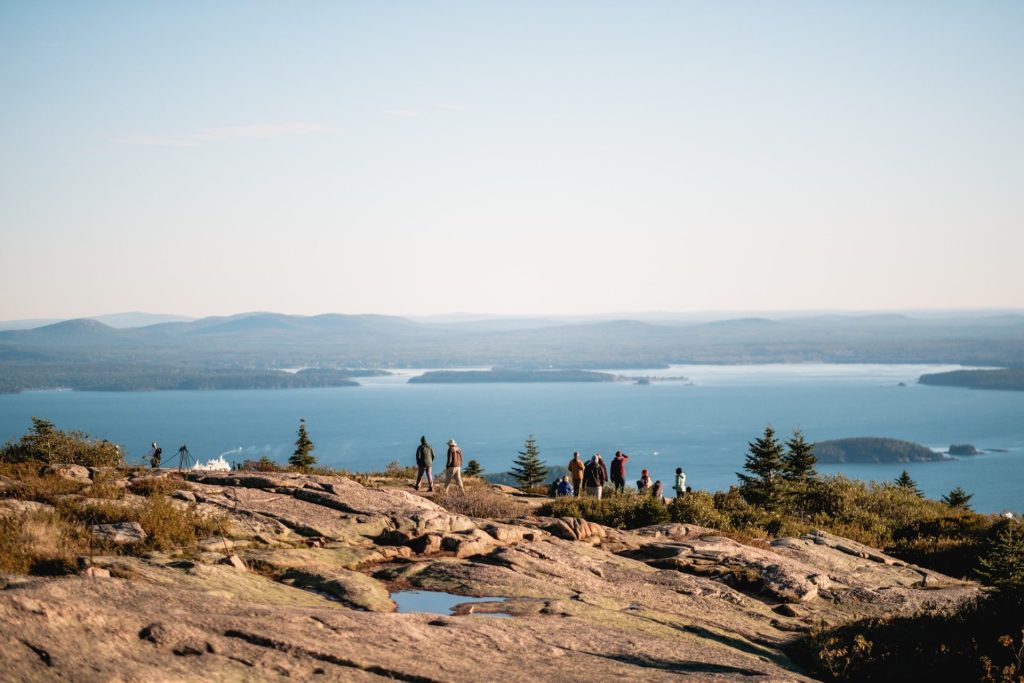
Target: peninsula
873 450
513 376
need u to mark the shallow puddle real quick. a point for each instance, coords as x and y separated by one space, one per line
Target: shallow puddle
437 602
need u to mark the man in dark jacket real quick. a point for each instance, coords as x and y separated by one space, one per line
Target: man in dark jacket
594 476
619 471
425 464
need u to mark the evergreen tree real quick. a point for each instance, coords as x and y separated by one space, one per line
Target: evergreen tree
473 469
529 469
799 460
764 462
905 482
958 498
1003 565
302 458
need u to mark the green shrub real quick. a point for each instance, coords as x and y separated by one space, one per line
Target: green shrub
47 444
624 511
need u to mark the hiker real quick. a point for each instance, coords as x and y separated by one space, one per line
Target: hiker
564 488
657 492
680 486
154 456
453 466
593 476
424 464
619 471
604 468
576 467
644 483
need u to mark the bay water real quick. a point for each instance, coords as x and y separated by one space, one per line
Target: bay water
702 424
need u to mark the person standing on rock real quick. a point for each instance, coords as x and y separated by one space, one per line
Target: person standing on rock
619 471
154 456
425 464
594 477
453 467
680 486
576 467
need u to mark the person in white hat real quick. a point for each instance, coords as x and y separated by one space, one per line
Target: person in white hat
453 468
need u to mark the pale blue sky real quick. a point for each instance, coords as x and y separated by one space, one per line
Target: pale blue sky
518 157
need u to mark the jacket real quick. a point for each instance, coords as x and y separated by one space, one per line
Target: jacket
593 475
424 454
619 467
576 468
680 484
454 457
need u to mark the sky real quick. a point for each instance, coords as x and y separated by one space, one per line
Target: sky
520 157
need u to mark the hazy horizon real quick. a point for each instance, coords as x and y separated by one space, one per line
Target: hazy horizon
522 159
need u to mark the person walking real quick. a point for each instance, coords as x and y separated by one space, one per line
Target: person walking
424 464
453 466
680 486
594 477
618 475
576 467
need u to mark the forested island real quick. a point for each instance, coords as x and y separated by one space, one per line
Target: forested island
517 376
873 450
1002 379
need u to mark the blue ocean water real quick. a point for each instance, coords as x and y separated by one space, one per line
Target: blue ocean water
702 425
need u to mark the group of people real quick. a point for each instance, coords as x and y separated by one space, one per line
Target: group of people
425 465
592 476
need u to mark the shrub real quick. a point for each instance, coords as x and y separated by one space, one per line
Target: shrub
45 443
479 501
264 464
698 507
626 511
148 486
41 542
395 470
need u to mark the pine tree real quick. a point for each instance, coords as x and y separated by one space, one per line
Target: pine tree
905 482
799 460
764 462
1003 565
958 498
530 470
473 469
302 458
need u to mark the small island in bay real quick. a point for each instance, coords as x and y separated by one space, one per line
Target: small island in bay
873 450
1003 379
963 449
495 376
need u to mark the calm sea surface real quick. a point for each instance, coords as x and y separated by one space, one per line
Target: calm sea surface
703 427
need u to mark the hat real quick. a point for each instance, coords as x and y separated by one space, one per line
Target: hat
451 442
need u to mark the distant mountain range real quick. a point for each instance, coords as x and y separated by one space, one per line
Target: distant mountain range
89 353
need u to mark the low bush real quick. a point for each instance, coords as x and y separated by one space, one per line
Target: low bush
623 511
41 542
47 444
479 500
148 486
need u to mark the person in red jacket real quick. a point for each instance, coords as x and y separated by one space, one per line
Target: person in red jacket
618 474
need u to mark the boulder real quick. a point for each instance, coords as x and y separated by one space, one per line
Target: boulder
11 507
121 533
71 472
347 587
574 529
